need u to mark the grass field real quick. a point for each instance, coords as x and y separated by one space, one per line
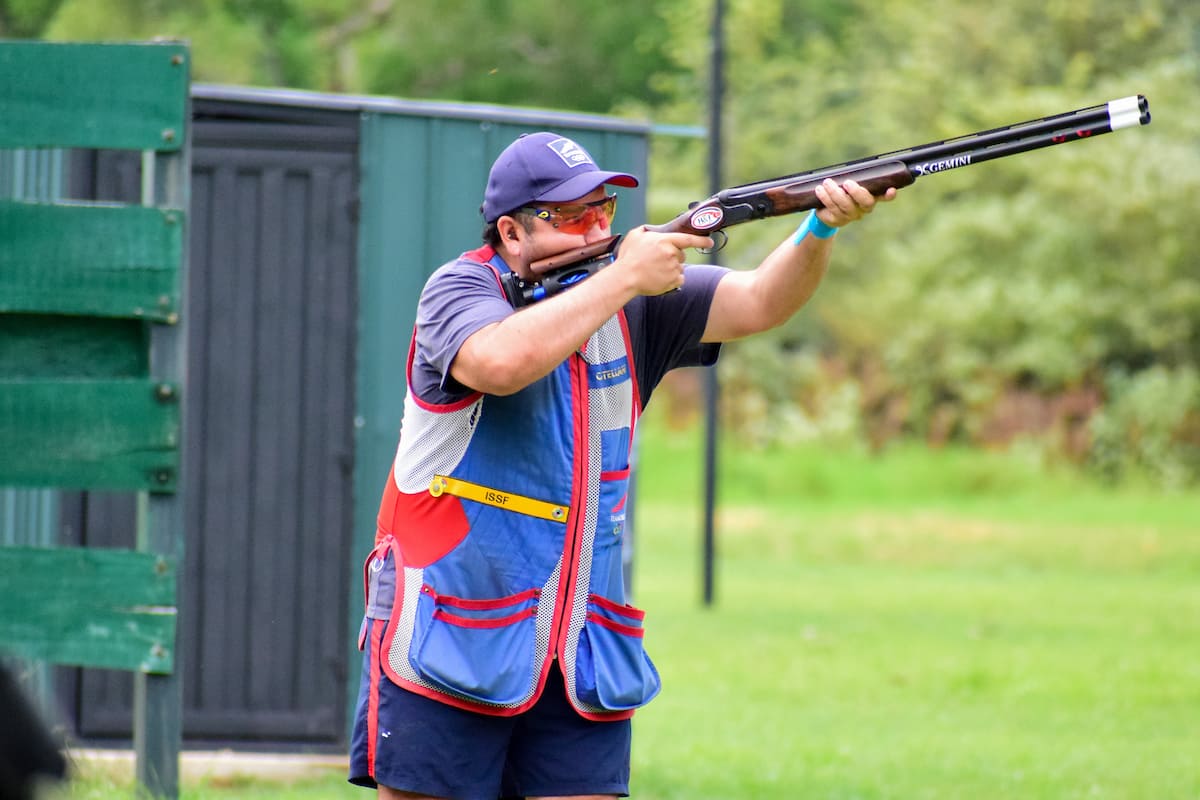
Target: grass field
920 625
917 625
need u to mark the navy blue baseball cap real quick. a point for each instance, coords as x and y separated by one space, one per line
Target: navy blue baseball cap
543 167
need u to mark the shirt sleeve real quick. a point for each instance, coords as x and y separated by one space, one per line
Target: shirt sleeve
666 330
458 300
464 297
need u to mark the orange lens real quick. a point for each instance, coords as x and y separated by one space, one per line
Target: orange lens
579 218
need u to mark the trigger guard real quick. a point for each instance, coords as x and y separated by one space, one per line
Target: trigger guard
720 238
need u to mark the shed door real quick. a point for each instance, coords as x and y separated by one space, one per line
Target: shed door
271 316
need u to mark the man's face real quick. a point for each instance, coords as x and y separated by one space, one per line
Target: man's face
558 227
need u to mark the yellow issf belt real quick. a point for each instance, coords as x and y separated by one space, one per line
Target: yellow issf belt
494 497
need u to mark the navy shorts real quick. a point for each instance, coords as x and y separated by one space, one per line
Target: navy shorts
422 745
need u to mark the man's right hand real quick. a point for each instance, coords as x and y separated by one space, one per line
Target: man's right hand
654 261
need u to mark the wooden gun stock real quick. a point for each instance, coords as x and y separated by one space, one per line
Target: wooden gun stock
576 255
776 198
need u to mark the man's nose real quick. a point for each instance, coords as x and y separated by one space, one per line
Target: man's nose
598 231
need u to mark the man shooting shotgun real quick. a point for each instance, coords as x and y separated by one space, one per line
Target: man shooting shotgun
500 655
793 193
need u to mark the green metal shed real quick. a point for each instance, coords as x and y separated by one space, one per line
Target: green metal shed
398 185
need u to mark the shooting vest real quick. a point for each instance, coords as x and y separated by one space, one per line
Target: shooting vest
505 517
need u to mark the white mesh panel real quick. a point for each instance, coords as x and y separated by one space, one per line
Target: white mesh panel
402 635
432 443
612 406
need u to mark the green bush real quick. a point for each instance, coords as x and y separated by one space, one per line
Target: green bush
1033 278
1149 426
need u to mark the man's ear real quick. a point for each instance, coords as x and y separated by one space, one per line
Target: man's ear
510 231
507 227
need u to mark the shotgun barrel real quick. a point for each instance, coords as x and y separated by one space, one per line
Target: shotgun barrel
793 193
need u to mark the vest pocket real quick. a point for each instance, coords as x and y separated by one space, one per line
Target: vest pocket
612 670
610 514
479 649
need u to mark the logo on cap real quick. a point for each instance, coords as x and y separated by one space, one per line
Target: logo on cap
571 154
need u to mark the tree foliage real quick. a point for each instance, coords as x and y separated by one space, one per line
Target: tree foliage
20 19
536 52
1018 284
1065 272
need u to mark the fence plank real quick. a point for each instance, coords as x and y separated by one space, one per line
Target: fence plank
66 422
105 96
43 346
104 260
88 607
102 434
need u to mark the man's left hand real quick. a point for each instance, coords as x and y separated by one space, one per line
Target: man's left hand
847 202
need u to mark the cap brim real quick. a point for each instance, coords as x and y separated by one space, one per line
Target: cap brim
579 185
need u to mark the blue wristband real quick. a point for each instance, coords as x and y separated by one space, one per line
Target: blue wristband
814 225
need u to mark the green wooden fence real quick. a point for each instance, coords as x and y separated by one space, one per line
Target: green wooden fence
92 354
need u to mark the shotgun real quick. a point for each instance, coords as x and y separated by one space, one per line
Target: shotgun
794 193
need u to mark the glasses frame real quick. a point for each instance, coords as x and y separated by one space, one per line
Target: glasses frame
574 217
